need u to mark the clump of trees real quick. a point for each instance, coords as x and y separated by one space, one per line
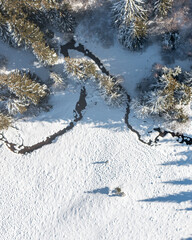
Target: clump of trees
19 90
26 24
84 69
22 24
130 18
168 96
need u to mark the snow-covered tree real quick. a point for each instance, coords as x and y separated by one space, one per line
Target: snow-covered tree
22 24
167 97
81 68
130 20
162 7
84 69
15 106
5 121
132 37
19 31
59 18
125 11
24 91
57 78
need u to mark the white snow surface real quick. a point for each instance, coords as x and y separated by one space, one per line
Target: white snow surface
65 190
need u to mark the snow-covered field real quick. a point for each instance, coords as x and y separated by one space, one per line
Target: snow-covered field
65 190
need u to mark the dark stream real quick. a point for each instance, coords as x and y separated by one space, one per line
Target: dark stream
81 105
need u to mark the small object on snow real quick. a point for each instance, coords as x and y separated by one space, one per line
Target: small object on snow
119 192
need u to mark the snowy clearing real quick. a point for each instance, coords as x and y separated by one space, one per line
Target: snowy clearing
65 190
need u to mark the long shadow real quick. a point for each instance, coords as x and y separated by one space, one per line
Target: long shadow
178 163
176 198
102 162
181 182
181 162
104 190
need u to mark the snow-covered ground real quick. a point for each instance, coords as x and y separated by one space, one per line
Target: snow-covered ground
65 190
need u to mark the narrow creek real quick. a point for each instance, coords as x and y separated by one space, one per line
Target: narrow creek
162 133
81 105
80 48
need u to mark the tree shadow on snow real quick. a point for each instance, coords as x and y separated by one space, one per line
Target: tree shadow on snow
176 198
185 181
94 20
104 190
181 162
102 162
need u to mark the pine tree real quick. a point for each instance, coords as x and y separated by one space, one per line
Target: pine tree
81 68
167 97
5 121
130 20
58 17
24 88
162 7
20 22
84 69
133 36
125 11
20 31
16 105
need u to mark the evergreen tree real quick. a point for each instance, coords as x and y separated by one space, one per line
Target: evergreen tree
24 90
133 36
84 69
130 20
125 11
167 97
22 22
162 7
5 121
